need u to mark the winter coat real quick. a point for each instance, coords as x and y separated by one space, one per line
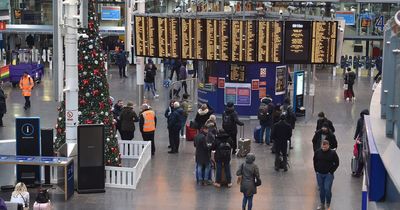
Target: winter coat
168 112
325 161
203 152
3 106
182 73
175 120
281 132
117 111
349 78
265 114
360 124
321 122
276 116
202 117
186 107
249 171
121 59
128 118
290 115
230 120
221 138
329 136
149 74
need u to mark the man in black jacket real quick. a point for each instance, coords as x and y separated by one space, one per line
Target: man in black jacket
322 120
265 117
281 133
230 121
223 149
174 126
203 157
326 161
324 134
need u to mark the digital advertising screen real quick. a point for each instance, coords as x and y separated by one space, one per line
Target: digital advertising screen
297 42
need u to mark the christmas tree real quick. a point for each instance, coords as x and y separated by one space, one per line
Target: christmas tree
94 97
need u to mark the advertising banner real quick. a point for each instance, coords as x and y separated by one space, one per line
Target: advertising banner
238 93
280 81
110 13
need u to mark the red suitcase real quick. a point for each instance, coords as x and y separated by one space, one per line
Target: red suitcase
348 94
190 132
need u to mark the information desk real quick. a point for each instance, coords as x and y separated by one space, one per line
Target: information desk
66 163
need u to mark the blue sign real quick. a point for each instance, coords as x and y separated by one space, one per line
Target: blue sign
110 13
380 23
348 17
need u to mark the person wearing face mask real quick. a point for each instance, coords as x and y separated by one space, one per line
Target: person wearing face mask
321 120
324 134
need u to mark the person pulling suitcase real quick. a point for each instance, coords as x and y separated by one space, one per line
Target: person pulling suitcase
281 133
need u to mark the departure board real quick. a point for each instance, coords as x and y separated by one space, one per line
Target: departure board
145 36
270 38
192 38
324 38
243 40
140 37
168 37
297 42
217 40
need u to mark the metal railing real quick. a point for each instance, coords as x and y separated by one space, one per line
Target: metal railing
176 90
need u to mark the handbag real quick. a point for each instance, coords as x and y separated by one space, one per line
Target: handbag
26 205
239 180
345 86
355 150
257 181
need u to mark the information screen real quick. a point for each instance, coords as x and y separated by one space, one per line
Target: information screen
168 37
187 40
269 41
199 35
323 50
218 40
243 40
297 42
146 36
237 73
140 36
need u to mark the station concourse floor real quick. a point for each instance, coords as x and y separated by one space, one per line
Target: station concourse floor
168 181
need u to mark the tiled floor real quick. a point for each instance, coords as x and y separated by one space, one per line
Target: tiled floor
168 180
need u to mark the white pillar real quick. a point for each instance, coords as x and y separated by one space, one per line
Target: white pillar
128 29
140 62
71 70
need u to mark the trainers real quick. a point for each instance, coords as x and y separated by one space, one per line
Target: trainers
217 185
208 182
347 99
354 98
321 207
229 185
183 136
328 205
156 96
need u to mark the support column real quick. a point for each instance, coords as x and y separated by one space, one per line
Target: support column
58 61
128 29
140 62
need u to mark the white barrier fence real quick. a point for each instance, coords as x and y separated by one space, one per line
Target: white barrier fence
127 177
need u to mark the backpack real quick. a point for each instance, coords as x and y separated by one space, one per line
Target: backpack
225 149
43 196
227 120
263 112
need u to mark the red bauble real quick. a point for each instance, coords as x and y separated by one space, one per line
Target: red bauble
106 121
88 122
95 92
96 72
85 82
94 53
80 67
82 102
101 105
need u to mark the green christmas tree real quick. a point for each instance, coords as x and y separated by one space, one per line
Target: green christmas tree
94 97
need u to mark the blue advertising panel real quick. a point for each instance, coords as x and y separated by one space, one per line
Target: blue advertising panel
348 17
110 13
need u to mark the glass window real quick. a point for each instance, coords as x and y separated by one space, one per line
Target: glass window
36 12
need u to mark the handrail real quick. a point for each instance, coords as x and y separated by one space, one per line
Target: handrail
193 94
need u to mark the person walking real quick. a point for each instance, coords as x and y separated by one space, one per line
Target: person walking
149 75
148 124
183 75
323 120
174 126
26 84
176 65
265 117
154 70
3 106
168 113
230 121
326 161
203 157
121 61
128 118
349 79
222 157
281 134
324 134
358 135
248 178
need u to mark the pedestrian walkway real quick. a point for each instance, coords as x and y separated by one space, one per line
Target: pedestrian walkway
168 181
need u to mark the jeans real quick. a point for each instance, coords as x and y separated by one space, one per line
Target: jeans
267 130
121 70
280 149
184 86
183 125
247 199
227 168
27 102
203 171
149 86
325 187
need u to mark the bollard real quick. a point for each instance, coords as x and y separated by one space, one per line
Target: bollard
359 72
334 71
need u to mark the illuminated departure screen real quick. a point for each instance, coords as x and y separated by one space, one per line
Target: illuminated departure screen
151 29
140 36
199 38
297 42
162 37
270 38
324 38
173 29
187 38
217 39
243 40
168 37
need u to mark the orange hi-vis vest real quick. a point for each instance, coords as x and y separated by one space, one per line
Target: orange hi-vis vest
26 85
149 124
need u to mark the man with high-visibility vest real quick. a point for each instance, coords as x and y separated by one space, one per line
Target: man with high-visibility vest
147 124
26 84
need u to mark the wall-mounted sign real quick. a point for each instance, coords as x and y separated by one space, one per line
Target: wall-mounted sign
263 72
263 83
213 80
238 93
280 81
262 92
4 9
221 82
255 84
348 17
110 13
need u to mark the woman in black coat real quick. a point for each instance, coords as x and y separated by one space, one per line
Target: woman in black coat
3 107
128 118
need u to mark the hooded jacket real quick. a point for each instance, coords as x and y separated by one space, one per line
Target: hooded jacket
202 116
230 120
249 171
220 138
203 152
360 124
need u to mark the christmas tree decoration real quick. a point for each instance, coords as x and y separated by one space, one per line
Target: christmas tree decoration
94 99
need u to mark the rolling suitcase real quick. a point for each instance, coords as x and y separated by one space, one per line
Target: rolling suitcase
354 165
42 206
257 134
190 132
244 145
348 94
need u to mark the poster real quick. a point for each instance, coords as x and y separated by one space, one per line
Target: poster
255 84
110 13
263 72
262 92
238 93
213 80
263 83
280 81
221 82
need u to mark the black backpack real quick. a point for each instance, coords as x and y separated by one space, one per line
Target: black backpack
227 120
43 196
225 149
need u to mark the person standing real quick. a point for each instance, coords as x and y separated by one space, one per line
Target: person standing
326 161
358 138
20 195
128 118
322 120
203 157
149 73
281 134
265 117
168 113
349 79
247 173
183 75
223 151
186 109
154 69
174 126
147 124
176 64
230 121
324 134
203 114
117 112
3 106
121 61
378 63
26 84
